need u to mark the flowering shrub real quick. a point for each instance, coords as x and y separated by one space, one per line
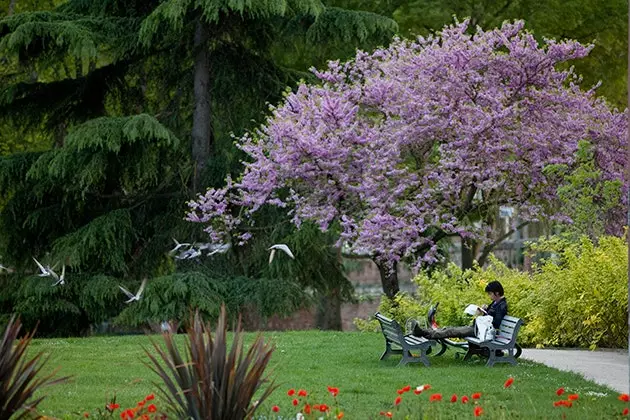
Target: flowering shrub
561 301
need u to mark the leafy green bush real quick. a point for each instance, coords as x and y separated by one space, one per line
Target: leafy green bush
576 297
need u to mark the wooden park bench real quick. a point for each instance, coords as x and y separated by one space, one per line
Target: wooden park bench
504 340
405 343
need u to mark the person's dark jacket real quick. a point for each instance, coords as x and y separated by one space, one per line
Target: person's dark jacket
498 310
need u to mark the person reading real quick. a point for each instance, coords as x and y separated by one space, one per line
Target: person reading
498 309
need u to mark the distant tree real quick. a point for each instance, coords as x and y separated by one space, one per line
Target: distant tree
408 145
601 22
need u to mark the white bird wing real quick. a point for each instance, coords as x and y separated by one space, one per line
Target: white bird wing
63 273
141 289
272 254
177 246
127 292
41 268
284 248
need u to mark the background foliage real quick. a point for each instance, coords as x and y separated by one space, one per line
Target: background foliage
576 295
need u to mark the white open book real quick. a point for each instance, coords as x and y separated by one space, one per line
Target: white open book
472 309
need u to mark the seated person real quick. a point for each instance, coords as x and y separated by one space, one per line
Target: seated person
497 309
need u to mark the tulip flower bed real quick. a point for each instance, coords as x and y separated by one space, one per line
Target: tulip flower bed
334 375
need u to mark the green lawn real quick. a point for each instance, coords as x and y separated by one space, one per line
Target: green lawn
313 360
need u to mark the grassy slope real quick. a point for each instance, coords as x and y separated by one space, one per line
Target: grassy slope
312 360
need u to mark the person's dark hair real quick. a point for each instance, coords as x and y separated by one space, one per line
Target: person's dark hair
496 287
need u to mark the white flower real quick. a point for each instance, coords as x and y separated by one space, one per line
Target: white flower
420 388
299 416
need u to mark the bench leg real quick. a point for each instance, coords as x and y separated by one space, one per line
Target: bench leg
492 357
410 358
423 358
389 351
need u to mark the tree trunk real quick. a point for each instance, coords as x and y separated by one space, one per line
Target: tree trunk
389 278
329 311
11 7
469 247
202 126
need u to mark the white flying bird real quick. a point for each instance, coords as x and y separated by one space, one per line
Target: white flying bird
131 296
281 247
60 279
178 246
221 249
188 254
45 271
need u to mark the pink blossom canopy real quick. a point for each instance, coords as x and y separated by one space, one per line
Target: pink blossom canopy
411 143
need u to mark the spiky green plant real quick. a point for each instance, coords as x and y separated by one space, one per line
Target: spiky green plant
19 377
212 382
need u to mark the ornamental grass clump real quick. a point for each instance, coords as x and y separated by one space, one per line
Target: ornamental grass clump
212 381
20 377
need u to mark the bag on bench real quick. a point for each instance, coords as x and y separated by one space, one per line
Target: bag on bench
484 330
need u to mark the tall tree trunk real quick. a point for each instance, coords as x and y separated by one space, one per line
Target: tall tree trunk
469 248
329 311
389 278
202 126
11 7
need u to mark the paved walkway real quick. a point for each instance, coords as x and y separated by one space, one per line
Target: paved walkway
606 367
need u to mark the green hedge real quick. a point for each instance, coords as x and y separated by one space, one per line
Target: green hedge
576 297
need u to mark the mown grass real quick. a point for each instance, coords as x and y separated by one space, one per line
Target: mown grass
313 360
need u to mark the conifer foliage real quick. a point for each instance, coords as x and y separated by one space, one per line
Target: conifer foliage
128 106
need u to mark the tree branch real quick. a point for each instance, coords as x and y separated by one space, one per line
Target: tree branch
485 252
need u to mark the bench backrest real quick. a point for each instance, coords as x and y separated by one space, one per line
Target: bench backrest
391 329
508 330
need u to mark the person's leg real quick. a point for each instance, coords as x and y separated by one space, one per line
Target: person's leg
447 332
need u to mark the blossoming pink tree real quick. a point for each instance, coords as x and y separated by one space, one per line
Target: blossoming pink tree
426 139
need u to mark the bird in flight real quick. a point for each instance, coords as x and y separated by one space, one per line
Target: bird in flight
178 246
137 296
281 247
60 279
45 271
49 272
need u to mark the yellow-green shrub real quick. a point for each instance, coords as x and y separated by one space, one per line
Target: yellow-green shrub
576 298
584 294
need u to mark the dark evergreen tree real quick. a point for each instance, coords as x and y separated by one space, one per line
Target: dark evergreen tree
129 108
